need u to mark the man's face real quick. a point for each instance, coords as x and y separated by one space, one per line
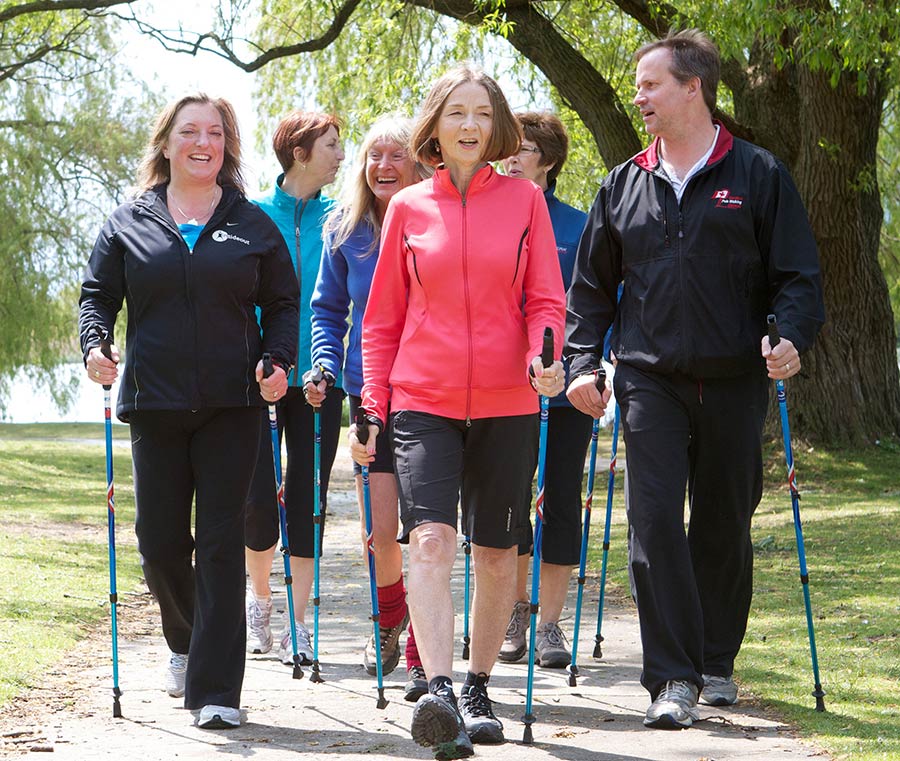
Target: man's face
662 99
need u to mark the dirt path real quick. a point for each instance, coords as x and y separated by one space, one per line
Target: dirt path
70 712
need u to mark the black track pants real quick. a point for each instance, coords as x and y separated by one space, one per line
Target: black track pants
693 588
211 452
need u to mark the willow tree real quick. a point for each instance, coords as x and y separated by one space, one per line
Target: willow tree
806 80
69 139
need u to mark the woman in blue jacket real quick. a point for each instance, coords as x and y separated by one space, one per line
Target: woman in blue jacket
540 159
309 150
345 275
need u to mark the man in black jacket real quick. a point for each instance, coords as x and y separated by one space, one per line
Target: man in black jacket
707 233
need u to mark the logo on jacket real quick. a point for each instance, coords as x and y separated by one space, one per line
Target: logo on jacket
724 200
220 236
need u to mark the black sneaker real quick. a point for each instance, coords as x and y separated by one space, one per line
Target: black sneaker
478 717
390 649
416 684
436 723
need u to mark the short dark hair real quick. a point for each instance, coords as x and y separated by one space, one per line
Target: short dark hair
693 55
300 129
506 135
545 130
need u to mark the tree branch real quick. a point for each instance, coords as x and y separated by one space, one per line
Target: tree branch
50 6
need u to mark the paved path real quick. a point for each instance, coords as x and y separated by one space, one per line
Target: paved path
70 712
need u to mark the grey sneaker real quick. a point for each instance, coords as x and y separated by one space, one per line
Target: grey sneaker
550 647
515 645
478 716
259 629
390 649
219 717
436 723
675 707
416 684
304 646
718 691
175 674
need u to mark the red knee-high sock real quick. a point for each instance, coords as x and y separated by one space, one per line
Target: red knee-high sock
392 603
412 652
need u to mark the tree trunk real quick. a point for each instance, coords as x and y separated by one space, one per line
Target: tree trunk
849 389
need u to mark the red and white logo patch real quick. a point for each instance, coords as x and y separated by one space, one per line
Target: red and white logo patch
724 200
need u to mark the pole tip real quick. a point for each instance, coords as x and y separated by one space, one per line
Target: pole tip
819 695
465 651
382 700
527 736
573 674
298 672
316 676
117 708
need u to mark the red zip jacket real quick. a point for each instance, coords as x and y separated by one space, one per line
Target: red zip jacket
462 292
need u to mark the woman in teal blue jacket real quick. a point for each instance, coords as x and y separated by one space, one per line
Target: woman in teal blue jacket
309 150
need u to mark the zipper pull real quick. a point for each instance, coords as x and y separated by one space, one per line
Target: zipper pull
468 422
680 221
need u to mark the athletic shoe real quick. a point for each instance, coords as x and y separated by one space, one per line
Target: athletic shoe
390 649
219 717
175 674
304 646
478 717
436 723
675 707
550 647
515 645
416 684
259 630
718 691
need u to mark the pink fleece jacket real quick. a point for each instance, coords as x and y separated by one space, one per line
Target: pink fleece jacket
462 292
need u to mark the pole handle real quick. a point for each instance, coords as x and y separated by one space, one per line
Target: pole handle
268 367
362 426
774 336
547 350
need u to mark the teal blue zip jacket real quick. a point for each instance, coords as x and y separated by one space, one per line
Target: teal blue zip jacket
301 224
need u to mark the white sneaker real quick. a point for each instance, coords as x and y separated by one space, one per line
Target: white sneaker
304 646
175 674
219 717
675 707
259 630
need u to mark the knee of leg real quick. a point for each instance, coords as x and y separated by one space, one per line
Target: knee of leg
433 544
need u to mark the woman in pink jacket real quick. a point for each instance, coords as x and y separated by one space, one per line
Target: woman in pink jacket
466 282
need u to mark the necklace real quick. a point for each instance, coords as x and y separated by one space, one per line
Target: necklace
188 220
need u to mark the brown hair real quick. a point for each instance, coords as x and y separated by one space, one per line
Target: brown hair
154 167
300 129
547 132
693 55
506 134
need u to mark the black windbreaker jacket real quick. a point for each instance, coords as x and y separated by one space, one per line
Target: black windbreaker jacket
700 276
192 340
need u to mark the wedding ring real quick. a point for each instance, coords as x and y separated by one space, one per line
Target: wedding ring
96 373
788 367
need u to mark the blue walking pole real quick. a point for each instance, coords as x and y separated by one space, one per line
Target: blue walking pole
546 361
598 637
111 532
316 377
362 433
585 533
818 693
268 369
466 639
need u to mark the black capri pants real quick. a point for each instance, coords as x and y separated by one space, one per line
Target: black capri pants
487 465
568 437
296 424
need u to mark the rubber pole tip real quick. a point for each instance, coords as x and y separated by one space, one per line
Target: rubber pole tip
298 672
316 677
382 700
819 695
527 736
598 652
465 652
117 709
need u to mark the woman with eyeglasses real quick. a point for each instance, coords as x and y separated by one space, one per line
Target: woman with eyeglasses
540 159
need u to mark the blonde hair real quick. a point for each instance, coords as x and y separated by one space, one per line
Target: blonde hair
358 200
506 134
154 167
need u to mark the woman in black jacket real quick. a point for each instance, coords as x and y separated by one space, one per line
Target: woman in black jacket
193 258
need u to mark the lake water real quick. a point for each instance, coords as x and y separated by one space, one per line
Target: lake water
31 402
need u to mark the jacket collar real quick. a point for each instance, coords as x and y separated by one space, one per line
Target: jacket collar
648 159
481 179
285 200
550 192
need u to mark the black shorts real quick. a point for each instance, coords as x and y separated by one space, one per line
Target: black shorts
488 463
568 437
296 421
384 454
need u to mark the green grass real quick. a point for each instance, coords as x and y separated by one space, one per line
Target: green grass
850 510
53 552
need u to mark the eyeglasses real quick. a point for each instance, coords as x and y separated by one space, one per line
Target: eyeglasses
526 149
